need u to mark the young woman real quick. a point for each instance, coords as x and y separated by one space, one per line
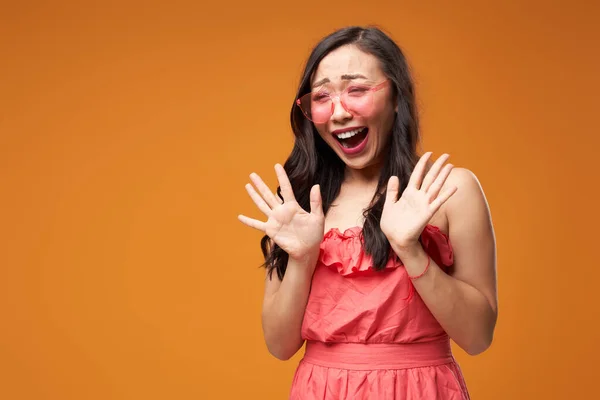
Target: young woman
380 256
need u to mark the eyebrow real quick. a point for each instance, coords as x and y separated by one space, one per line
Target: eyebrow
344 77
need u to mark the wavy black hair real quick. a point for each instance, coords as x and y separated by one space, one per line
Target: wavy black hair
313 162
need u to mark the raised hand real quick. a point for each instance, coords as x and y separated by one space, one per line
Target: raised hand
297 232
403 220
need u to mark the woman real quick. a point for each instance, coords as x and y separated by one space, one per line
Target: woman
381 256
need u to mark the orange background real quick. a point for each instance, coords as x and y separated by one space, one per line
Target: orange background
127 133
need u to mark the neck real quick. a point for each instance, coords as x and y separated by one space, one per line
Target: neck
366 177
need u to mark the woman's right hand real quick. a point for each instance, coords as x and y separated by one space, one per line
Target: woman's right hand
297 232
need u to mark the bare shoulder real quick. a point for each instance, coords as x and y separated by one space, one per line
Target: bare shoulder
466 180
469 197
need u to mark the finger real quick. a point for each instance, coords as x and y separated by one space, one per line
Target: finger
253 223
284 184
316 201
417 175
442 198
264 191
434 171
393 187
437 185
259 201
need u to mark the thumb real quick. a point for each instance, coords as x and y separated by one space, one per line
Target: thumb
392 190
316 202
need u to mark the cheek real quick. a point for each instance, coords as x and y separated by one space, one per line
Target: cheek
384 120
322 131
383 108
389 121
389 114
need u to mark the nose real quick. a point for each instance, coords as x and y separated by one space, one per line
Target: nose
340 113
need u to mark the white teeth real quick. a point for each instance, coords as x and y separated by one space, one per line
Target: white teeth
349 134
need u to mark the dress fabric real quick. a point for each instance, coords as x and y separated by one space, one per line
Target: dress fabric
368 333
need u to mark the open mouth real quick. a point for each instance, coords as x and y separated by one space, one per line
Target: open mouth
352 139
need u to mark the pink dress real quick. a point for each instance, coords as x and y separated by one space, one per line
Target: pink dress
368 334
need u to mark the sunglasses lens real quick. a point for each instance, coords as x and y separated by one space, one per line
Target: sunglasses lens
316 106
358 100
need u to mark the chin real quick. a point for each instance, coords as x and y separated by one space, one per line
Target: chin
358 163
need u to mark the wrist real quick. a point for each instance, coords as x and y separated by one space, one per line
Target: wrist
407 251
304 262
415 259
300 274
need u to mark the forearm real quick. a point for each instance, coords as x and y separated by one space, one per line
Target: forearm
462 310
283 312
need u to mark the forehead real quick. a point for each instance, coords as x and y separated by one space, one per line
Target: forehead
346 60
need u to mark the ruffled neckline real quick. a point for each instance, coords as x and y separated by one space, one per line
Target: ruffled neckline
343 252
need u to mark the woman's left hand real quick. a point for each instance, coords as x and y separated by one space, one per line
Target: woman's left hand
403 220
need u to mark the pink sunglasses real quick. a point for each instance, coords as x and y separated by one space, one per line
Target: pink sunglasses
357 99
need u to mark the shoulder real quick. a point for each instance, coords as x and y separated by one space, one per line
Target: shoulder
467 184
469 192
463 178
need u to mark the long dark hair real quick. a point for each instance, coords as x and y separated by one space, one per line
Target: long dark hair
313 162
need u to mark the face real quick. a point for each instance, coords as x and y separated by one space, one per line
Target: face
358 135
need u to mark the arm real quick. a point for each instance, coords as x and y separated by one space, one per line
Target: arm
283 308
464 303
299 234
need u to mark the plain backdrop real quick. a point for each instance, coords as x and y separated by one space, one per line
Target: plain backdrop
128 130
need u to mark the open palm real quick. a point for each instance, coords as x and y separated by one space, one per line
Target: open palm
297 232
403 219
